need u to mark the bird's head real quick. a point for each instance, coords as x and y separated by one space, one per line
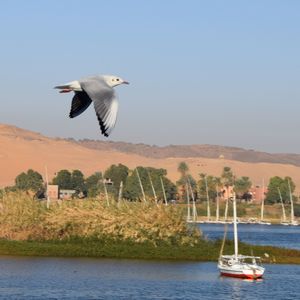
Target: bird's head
114 80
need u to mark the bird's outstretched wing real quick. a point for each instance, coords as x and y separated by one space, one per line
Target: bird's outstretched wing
105 102
80 102
106 111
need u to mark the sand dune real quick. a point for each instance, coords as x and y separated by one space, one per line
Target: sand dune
22 149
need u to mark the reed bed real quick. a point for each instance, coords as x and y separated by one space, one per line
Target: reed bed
22 218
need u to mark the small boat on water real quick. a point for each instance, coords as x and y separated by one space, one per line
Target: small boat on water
237 265
241 266
262 209
284 221
293 222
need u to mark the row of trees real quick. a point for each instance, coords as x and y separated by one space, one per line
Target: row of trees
213 186
155 183
94 184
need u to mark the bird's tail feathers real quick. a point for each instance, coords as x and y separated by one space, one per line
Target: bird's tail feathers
72 86
62 87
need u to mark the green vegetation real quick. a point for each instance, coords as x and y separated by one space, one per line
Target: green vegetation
31 180
212 185
90 228
132 190
117 174
242 186
203 251
227 177
22 218
93 186
67 180
277 184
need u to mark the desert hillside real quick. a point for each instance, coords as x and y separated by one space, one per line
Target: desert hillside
208 151
22 149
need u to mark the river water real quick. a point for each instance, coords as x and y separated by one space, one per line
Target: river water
88 278
74 278
274 235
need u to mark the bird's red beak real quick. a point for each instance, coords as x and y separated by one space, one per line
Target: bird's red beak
126 82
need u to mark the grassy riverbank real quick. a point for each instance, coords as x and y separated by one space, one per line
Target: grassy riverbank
204 251
92 228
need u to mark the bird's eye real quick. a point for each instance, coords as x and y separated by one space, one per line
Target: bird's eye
117 79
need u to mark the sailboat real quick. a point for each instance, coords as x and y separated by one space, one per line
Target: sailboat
226 214
217 221
262 222
293 221
283 220
190 219
237 265
208 206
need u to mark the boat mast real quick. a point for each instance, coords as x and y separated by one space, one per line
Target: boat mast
283 210
164 191
188 202
235 228
47 190
262 202
217 208
207 197
292 203
120 192
152 186
194 203
141 186
105 190
226 210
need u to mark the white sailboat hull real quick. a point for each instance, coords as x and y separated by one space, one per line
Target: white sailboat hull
240 269
264 223
250 273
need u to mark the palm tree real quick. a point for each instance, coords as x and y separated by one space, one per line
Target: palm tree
183 169
182 182
227 179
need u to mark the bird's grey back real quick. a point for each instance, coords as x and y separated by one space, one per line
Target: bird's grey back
96 88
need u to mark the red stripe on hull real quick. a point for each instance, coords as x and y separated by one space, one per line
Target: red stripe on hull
241 275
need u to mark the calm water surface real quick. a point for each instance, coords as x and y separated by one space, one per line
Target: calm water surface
274 235
73 278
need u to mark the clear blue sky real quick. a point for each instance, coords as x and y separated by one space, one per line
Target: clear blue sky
201 72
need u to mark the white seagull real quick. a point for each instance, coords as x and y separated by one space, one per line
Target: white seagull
97 89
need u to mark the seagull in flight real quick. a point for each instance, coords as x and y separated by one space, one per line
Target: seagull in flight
99 90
